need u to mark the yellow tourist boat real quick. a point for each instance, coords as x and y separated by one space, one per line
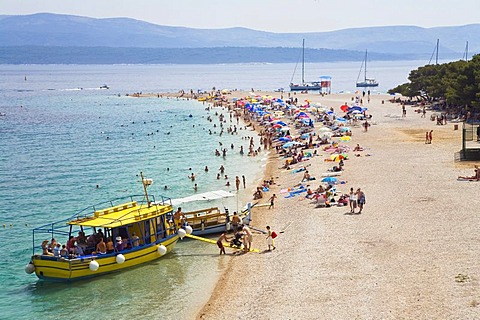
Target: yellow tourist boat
105 238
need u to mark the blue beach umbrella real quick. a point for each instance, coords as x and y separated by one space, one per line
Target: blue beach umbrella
284 139
341 119
355 108
290 144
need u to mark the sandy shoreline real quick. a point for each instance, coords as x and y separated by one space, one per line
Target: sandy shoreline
400 259
412 254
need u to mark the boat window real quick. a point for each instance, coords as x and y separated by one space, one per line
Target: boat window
147 231
161 227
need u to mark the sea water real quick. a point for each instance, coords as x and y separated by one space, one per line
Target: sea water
62 136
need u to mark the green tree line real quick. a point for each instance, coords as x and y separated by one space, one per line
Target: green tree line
457 83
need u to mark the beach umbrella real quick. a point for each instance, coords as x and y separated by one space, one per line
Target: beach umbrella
283 124
344 129
327 135
278 113
344 108
355 108
284 128
285 139
324 129
276 126
330 180
290 144
345 138
337 157
341 119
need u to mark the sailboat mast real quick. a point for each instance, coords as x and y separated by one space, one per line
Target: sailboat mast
365 77
303 61
436 56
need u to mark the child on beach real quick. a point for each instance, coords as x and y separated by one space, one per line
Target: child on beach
270 241
223 237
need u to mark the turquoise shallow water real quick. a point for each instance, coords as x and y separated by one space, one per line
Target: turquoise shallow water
57 145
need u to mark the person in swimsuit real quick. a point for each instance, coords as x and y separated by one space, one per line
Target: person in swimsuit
248 238
220 240
352 200
235 222
270 241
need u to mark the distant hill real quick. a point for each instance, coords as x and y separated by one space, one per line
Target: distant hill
109 55
54 30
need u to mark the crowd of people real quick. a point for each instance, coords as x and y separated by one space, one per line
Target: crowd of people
94 244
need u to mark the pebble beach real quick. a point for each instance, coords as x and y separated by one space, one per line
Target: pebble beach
411 254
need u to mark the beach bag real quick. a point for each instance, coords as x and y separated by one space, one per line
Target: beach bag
274 234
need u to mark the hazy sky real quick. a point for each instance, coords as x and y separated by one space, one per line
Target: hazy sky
266 15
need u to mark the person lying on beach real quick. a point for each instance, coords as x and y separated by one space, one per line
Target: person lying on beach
475 177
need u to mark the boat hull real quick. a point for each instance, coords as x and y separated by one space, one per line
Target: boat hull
366 85
219 228
59 269
305 88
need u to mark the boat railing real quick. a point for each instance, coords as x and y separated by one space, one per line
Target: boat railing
62 228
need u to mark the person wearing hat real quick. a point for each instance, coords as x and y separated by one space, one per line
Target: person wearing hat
45 248
119 243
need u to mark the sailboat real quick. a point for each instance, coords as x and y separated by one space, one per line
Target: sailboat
367 82
309 86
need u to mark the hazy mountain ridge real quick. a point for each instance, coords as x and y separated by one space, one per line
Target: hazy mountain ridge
109 55
54 30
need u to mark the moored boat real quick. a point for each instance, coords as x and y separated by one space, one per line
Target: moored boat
366 82
210 220
134 230
305 85
213 220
